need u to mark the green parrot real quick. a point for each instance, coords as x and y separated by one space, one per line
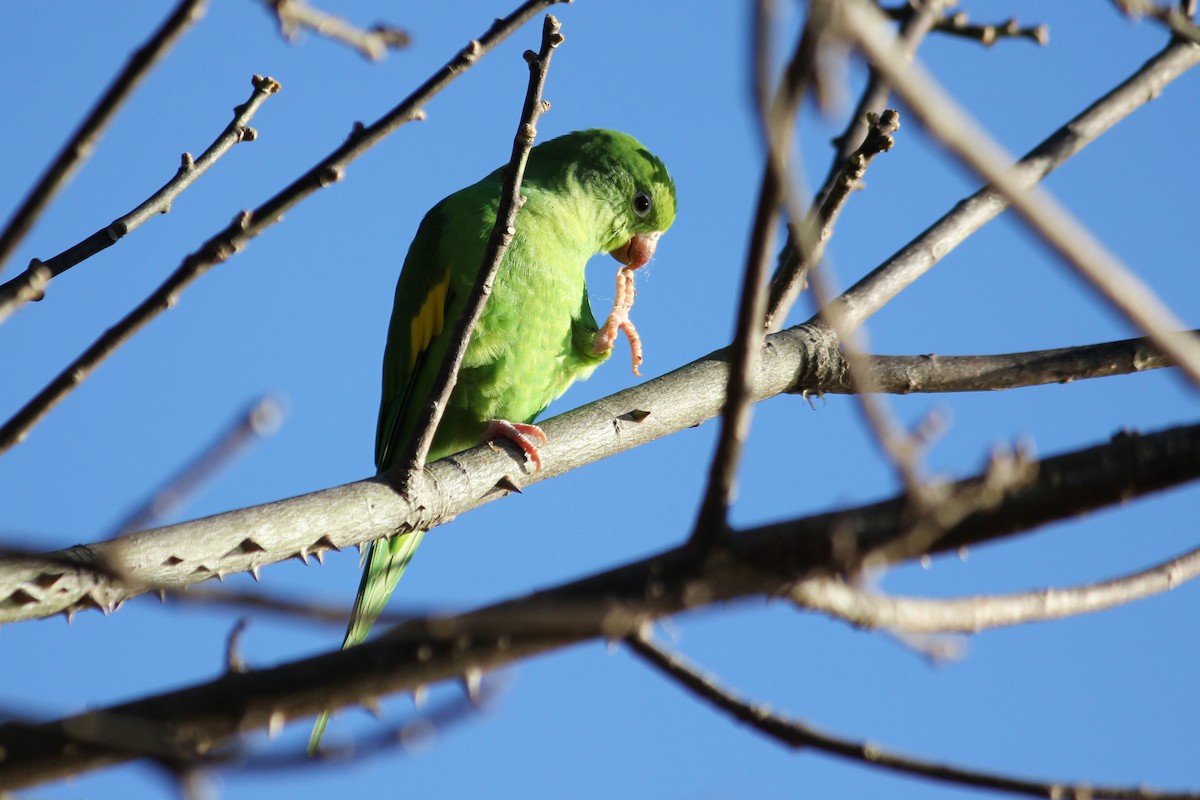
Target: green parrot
588 192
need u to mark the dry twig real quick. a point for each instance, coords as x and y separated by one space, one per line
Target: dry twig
29 284
81 143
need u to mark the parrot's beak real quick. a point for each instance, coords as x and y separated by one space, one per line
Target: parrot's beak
638 250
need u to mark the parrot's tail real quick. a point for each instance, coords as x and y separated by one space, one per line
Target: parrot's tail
386 560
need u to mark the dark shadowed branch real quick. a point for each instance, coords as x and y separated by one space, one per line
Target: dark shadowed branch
796 734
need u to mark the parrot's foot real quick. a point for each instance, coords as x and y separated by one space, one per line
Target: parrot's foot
618 320
521 434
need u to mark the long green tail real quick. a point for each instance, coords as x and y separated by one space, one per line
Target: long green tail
386 560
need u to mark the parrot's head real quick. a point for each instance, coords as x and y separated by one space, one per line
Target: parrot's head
635 193
645 202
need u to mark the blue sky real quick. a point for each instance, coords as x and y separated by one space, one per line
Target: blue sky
303 311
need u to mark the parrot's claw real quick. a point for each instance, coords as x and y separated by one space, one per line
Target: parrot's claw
618 320
519 433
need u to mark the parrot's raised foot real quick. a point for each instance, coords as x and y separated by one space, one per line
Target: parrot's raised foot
521 434
618 320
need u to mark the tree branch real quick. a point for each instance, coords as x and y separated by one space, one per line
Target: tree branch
777 120
248 224
23 287
935 373
81 143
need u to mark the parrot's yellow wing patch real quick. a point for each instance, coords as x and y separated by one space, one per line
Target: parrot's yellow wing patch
429 321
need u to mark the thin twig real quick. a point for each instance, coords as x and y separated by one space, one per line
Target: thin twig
413 734
806 241
1178 19
974 147
902 449
417 449
260 420
795 734
789 278
248 224
989 33
190 170
293 15
777 121
860 608
83 141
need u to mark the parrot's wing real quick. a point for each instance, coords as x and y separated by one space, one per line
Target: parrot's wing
410 360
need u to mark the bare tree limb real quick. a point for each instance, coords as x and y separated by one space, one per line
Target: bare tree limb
789 278
864 609
935 373
764 561
80 145
294 15
796 734
972 145
250 538
190 170
959 24
248 224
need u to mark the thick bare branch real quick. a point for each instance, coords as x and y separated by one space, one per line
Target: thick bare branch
81 143
251 538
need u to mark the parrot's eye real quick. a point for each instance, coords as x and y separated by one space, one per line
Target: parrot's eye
642 204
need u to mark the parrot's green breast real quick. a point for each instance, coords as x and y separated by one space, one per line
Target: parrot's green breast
534 337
